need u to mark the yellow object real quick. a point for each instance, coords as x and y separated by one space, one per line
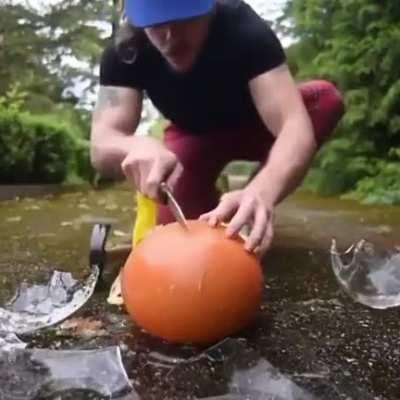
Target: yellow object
146 214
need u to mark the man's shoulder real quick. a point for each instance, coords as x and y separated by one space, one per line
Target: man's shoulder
241 13
249 39
240 20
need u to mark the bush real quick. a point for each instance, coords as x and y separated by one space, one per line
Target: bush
340 164
241 167
382 188
38 149
16 148
351 44
81 167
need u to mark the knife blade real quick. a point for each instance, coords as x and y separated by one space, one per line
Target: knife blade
174 206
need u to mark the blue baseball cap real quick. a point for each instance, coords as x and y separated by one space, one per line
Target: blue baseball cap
142 13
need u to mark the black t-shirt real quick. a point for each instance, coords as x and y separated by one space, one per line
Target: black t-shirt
214 95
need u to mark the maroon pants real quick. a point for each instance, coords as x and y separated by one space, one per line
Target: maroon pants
204 156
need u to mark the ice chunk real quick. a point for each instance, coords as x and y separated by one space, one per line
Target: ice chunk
40 373
369 275
36 307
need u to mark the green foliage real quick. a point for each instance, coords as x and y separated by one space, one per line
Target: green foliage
35 43
240 167
14 98
31 150
81 167
340 165
37 149
52 149
44 131
157 128
383 188
353 43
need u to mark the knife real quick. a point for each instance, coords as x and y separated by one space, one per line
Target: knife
174 206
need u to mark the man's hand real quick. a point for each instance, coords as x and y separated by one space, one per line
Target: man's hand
249 207
148 164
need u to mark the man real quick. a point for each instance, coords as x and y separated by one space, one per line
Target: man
218 73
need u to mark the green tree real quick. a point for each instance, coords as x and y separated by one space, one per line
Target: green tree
355 43
36 73
36 45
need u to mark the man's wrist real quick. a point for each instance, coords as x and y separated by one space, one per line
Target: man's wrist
266 185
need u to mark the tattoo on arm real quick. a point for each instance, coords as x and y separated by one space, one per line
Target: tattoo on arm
107 97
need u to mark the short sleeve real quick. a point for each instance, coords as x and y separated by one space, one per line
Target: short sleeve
115 72
263 50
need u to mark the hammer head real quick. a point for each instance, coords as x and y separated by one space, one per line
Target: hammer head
97 255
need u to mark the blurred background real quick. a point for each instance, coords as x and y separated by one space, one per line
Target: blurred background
49 56
309 327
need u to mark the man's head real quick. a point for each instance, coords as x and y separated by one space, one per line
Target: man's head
177 28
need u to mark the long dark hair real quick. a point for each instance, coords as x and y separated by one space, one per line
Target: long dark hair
128 41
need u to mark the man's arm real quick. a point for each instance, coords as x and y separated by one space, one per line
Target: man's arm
115 119
281 107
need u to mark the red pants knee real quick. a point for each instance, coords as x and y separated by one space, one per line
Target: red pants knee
204 156
325 106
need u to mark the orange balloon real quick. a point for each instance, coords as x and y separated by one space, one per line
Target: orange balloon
193 286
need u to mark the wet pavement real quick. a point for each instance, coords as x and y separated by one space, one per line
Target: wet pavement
326 345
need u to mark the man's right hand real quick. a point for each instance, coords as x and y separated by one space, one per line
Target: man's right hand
148 164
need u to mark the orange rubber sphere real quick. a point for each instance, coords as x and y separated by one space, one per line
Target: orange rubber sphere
193 286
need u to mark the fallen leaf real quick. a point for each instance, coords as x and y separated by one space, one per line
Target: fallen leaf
44 235
32 207
83 327
115 295
384 229
119 233
14 219
66 223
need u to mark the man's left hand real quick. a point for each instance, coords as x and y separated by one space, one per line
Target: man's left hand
247 207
